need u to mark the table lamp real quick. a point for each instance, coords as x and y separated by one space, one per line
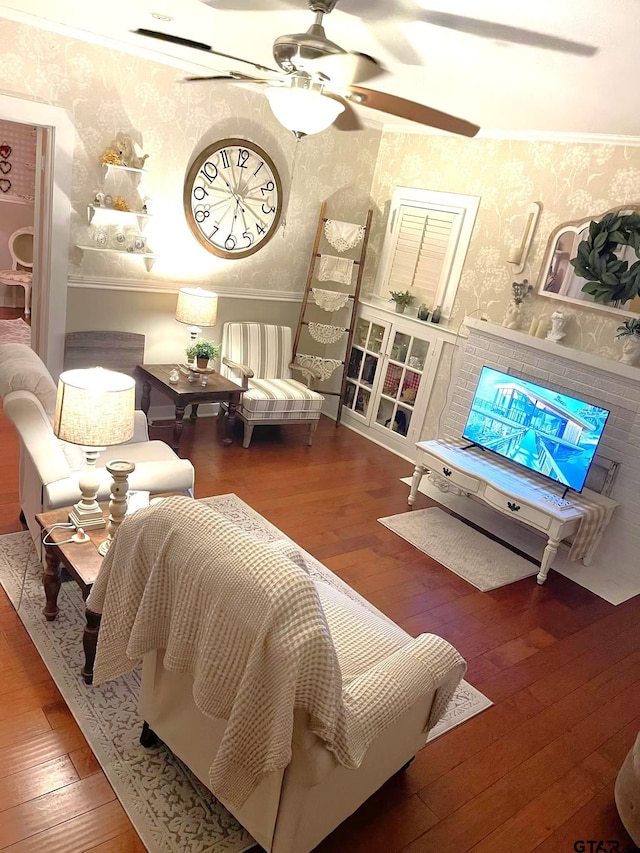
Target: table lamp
196 307
95 409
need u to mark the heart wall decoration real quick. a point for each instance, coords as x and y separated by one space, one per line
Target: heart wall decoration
5 167
5 185
5 151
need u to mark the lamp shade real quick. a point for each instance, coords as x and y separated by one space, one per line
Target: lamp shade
303 111
197 307
94 407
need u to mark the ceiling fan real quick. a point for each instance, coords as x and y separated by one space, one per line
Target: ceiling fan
316 81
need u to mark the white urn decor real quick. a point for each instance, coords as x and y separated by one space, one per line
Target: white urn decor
630 330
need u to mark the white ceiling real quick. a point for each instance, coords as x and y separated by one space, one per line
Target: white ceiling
500 85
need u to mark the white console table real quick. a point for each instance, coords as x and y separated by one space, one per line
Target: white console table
514 492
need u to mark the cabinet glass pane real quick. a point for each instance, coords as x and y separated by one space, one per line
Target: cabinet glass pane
410 386
375 337
369 369
361 333
362 401
402 420
400 346
392 379
355 360
418 354
349 395
385 412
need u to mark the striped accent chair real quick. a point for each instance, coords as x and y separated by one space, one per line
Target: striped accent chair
260 357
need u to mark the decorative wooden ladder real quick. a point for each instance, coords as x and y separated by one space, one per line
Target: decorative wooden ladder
353 298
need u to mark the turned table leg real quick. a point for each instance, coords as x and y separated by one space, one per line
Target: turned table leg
418 474
90 643
549 553
177 427
51 582
234 399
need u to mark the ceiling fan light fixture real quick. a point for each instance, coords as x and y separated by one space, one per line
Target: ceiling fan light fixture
303 110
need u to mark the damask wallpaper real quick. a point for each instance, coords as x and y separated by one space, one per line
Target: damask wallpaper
108 91
572 181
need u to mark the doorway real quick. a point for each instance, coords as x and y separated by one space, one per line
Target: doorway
51 217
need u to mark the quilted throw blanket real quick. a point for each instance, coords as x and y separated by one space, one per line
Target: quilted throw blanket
181 577
246 622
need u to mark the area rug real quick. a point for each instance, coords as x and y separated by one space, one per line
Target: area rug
466 552
15 332
170 809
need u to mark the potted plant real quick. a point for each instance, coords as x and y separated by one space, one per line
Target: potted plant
201 352
630 330
402 298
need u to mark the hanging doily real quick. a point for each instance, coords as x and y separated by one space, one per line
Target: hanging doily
318 367
343 235
333 268
330 300
326 334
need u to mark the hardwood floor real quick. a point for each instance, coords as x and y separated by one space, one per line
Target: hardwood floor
534 772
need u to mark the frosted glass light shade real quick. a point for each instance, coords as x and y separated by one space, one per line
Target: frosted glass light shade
197 307
94 407
303 111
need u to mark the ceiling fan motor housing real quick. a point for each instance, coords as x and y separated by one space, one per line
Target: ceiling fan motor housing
293 52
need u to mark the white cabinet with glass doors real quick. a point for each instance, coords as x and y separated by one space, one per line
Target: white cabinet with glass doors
390 372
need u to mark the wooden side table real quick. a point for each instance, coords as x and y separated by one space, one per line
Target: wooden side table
83 562
184 393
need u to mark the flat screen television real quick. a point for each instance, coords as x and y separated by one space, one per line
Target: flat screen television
550 433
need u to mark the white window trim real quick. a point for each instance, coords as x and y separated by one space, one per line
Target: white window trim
434 200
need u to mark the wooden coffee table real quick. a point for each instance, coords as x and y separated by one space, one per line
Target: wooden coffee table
83 562
184 393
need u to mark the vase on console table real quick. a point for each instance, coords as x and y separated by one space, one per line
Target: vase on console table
631 351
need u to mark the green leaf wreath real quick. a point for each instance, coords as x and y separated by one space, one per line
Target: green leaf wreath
608 278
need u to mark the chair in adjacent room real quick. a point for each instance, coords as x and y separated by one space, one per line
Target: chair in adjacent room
21 272
259 355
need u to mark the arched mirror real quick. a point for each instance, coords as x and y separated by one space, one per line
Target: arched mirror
559 280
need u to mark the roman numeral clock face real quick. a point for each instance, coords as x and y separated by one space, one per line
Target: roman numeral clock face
233 198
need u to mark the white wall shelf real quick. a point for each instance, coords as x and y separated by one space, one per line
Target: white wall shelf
149 257
107 168
113 214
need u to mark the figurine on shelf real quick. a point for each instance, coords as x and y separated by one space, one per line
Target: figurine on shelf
120 203
125 148
558 323
513 316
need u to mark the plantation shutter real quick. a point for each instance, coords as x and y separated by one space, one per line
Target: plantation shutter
425 242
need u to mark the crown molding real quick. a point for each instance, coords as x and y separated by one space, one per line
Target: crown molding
565 137
159 286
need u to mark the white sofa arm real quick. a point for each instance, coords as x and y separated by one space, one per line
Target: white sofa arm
34 427
374 700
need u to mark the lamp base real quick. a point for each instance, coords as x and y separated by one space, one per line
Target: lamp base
103 547
89 518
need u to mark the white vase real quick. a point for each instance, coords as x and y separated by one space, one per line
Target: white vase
631 350
400 308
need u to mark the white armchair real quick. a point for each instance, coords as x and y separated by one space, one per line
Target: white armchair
49 468
259 356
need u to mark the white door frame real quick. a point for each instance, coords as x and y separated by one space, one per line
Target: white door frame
52 216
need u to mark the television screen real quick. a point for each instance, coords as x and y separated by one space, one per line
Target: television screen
548 432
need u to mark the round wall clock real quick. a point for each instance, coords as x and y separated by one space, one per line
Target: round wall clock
233 198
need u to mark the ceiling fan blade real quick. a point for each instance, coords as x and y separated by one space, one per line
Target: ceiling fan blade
198 45
346 68
501 32
410 110
230 75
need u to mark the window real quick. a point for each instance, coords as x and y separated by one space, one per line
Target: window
425 245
